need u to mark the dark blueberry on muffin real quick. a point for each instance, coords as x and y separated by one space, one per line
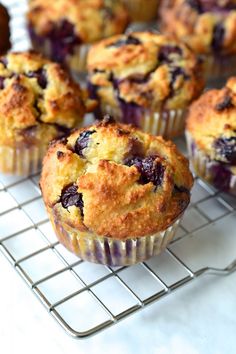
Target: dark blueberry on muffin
82 141
226 147
70 197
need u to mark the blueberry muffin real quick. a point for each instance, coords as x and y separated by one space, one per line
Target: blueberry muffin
145 79
38 103
208 27
115 195
142 10
4 30
211 136
63 29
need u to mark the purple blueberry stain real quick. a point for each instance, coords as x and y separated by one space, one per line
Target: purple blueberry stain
131 112
150 169
202 6
175 72
221 177
82 142
224 104
226 148
218 37
71 197
63 40
167 52
2 79
40 76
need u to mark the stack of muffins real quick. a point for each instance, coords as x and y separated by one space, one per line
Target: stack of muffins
115 191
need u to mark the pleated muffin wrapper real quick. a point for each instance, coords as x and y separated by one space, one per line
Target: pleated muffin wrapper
167 123
23 160
216 173
142 10
111 251
76 62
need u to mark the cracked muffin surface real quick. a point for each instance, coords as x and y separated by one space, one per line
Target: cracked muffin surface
144 69
38 100
206 26
113 180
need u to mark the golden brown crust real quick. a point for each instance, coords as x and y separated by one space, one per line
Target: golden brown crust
4 30
207 27
144 68
116 202
92 19
213 116
36 94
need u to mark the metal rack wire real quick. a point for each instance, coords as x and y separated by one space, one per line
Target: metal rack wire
76 293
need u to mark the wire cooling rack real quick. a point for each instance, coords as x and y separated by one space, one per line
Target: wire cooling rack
85 298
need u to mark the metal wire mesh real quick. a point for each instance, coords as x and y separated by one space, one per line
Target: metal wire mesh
78 294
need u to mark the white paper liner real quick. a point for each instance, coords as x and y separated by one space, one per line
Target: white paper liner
204 166
22 161
109 251
168 124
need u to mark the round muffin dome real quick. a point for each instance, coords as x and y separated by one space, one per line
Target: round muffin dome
206 26
115 181
211 135
38 102
212 122
143 69
59 28
37 98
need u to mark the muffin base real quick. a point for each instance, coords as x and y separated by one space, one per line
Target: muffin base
168 124
108 251
21 161
142 10
214 172
76 62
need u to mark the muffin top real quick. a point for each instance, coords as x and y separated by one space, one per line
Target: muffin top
83 20
144 69
212 123
4 30
206 26
37 98
116 181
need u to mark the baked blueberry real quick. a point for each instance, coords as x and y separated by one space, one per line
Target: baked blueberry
150 168
226 148
70 197
82 141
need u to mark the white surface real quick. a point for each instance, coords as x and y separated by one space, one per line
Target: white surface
199 318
